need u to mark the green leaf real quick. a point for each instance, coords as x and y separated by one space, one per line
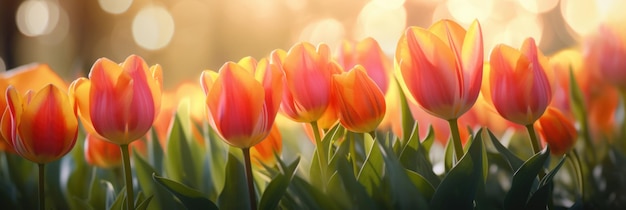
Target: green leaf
448 158
97 194
414 157
233 195
513 161
119 201
306 196
357 194
430 139
523 180
155 152
541 197
76 184
180 161
144 172
422 184
277 187
192 199
407 118
214 168
402 193
143 205
371 173
462 182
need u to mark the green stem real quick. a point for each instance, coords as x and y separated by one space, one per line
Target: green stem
534 141
128 177
42 186
250 178
575 161
322 157
353 154
456 138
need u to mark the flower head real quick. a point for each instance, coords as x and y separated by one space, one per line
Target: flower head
360 103
442 67
40 126
557 131
307 86
520 82
119 101
243 100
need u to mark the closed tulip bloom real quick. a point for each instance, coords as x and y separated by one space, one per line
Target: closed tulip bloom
360 103
119 101
520 82
101 153
307 86
368 54
24 78
243 100
40 126
442 67
557 131
264 152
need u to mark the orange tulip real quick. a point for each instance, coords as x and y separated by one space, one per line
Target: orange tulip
307 86
243 100
605 52
40 126
368 54
24 78
331 115
557 131
360 103
119 102
520 82
101 153
263 153
442 67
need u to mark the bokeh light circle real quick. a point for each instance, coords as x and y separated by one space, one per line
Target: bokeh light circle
153 28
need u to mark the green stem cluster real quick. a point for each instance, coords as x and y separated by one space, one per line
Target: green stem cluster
128 176
322 157
534 141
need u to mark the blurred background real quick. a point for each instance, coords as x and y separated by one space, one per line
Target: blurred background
187 36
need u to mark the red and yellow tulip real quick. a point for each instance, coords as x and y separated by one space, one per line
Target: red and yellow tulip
442 66
101 153
520 82
360 103
119 101
307 86
557 131
368 54
243 100
605 50
40 126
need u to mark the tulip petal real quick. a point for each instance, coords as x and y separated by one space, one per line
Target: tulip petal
142 105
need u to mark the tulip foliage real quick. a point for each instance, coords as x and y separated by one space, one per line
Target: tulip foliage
305 129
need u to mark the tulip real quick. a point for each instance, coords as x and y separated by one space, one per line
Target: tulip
307 86
520 85
360 103
520 82
442 67
368 54
264 153
243 100
119 102
24 78
40 126
557 131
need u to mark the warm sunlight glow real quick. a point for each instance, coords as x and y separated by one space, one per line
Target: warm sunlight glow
384 24
35 18
115 6
153 28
